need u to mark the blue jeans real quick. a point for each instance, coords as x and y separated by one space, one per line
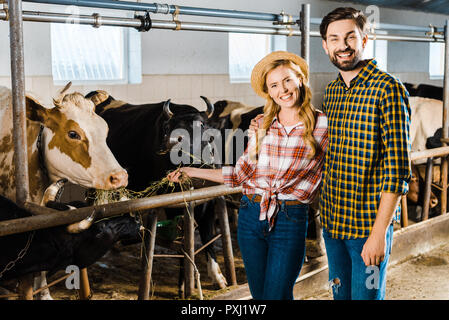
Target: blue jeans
349 277
272 259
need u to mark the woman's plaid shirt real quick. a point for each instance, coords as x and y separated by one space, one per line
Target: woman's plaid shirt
282 167
368 152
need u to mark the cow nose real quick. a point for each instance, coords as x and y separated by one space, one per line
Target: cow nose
118 179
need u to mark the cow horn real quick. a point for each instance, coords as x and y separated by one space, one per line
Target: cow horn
53 192
210 107
83 224
167 110
61 95
99 97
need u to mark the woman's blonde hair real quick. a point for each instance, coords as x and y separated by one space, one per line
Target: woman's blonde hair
306 111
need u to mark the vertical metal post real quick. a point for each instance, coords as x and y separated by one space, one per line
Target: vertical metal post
18 101
84 293
444 160
305 31
427 189
404 212
189 248
222 214
147 260
25 287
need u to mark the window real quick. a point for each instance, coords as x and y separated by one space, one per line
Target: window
245 50
81 53
436 60
377 49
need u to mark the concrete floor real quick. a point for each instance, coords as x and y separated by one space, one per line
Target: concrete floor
425 277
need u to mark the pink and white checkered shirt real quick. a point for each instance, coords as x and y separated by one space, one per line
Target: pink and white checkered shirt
282 167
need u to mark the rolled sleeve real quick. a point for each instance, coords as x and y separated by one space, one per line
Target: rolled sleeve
395 132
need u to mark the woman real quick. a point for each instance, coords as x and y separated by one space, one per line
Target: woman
280 172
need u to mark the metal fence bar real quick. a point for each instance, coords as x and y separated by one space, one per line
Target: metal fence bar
56 218
305 31
18 102
444 160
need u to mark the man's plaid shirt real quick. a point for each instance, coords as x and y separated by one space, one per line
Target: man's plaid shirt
282 167
368 152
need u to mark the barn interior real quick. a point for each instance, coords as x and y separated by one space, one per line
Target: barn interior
183 65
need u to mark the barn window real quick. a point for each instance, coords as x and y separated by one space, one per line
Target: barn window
245 50
81 53
436 56
377 49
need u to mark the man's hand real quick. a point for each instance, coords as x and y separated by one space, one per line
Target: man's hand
373 252
254 125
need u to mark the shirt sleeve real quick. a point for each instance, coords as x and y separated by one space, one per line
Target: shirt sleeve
243 170
395 133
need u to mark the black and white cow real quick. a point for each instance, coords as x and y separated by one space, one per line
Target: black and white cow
425 131
54 249
141 137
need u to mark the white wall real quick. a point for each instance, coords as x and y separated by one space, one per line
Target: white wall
184 64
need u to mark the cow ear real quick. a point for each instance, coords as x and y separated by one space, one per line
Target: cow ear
35 110
98 97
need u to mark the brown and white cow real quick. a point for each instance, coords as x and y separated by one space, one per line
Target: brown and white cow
72 145
66 141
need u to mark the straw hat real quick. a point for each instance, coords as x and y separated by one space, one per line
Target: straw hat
257 79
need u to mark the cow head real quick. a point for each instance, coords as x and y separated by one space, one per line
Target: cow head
74 142
416 190
183 130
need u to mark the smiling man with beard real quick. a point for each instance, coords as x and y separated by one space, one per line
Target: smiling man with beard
367 166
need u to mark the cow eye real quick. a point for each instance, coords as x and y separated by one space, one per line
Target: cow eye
74 135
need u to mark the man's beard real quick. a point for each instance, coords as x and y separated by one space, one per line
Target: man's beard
347 65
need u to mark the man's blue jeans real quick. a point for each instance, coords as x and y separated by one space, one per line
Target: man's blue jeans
272 259
349 277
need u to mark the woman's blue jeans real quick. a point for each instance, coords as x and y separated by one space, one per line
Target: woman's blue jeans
272 259
349 277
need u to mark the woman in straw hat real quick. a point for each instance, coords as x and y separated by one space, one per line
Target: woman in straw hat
280 172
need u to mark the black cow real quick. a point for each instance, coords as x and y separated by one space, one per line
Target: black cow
54 249
141 137
424 90
233 120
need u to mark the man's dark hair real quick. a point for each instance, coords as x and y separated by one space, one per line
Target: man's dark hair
344 13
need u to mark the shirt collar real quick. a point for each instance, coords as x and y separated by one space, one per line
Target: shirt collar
279 125
363 75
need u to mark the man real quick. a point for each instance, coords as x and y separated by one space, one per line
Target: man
367 166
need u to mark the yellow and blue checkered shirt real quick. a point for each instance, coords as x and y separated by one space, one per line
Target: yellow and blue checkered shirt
368 151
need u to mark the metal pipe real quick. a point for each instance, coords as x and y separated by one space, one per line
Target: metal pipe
305 32
66 217
436 152
222 214
165 9
427 189
147 257
444 160
189 250
191 26
206 12
18 102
